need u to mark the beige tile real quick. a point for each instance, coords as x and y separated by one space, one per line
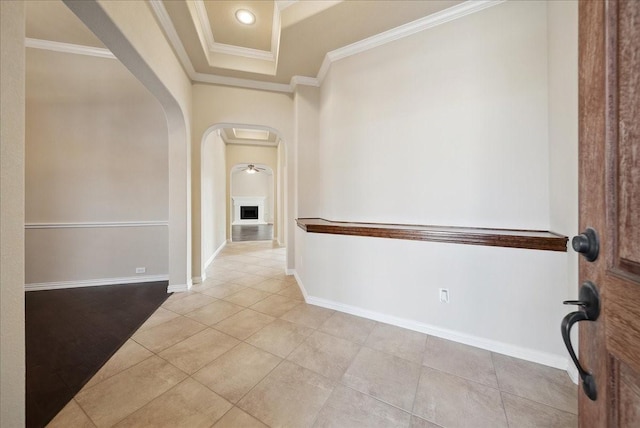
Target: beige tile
308 315
224 290
536 382
177 296
117 397
206 284
461 360
247 297
160 316
398 341
290 396
268 270
350 327
292 291
417 422
236 418
189 303
387 377
348 408
166 334
199 350
324 354
248 280
189 404
275 305
280 337
524 413
244 323
451 401
71 416
233 374
128 355
214 312
271 285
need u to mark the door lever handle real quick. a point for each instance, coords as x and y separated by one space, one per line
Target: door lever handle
589 302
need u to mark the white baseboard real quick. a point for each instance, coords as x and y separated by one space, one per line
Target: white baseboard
200 279
572 371
94 282
532 355
291 272
178 288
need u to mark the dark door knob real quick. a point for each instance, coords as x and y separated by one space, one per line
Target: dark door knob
587 244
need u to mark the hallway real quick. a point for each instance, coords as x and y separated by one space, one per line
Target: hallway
242 349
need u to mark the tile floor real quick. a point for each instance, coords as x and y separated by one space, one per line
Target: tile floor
244 350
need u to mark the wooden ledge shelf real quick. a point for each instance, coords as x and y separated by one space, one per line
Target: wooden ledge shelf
528 239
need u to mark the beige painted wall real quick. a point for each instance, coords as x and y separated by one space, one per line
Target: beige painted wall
12 345
95 153
214 205
306 109
214 105
241 154
131 32
450 127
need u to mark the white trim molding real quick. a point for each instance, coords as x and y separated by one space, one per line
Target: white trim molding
94 282
178 288
532 355
96 225
203 274
438 18
68 48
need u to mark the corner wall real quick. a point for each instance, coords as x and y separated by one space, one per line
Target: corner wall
12 120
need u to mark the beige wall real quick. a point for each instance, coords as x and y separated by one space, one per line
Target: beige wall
131 32
95 153
306 104
447 127
214 205
215 105
12 350
240 154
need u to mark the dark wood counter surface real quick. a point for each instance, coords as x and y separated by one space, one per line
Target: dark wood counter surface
529 239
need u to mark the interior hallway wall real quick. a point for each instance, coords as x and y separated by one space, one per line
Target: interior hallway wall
214 204
241 154
96 162
213 105
446 127
12 120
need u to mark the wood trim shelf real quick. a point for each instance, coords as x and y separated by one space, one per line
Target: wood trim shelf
510 238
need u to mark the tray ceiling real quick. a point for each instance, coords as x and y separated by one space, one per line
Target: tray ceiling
291 42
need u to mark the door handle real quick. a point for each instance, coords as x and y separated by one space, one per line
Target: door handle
587 244
589 303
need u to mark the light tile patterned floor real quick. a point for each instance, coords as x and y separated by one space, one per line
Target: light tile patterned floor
242 349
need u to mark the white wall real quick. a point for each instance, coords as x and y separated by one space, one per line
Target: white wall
258 184
237 154
214 191
96 152
448 127
563 127
214 105
12 101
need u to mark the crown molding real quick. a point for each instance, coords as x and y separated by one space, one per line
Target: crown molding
68 48
433 20
170 30
203 27
243 83
303 80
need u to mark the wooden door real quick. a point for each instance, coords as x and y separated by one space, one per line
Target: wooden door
609 100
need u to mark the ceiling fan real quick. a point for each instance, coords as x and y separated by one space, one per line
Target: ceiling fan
252 169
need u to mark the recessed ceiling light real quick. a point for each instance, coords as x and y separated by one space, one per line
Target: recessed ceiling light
245 17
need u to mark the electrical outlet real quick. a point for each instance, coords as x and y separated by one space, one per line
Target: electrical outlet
141 270
444 295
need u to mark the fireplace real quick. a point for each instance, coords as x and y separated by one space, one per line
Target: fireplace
249 212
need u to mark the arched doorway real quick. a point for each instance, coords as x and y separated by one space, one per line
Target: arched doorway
214 167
